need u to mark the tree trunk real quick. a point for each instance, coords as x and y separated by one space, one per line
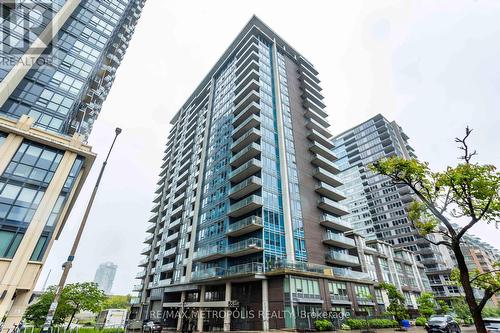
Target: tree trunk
466 285
70 320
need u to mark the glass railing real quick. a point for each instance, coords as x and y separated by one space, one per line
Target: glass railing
339 238
244 223
331 189
252 162
297 266
334 204
212 272
344 272
243 245
245 183
208 251
328 174
245 202
342 257
336 220
250 268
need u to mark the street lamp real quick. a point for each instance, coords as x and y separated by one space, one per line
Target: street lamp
67 265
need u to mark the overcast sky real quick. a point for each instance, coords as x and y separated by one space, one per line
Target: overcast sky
433 66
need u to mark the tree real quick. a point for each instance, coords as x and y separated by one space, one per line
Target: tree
426 304
469 191
397 307
75 297
84 296
117 302
461 310
443 307
37 311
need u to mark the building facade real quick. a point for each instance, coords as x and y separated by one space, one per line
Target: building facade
246 216
378 207
105 275
58 60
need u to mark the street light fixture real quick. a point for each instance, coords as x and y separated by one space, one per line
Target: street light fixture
67 265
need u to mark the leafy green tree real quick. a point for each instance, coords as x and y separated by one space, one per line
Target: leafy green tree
426 304
37 311
117 302
443 307
469 191
75 297
461 309
397 306
84 296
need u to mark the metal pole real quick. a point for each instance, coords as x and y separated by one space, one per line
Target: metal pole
67 265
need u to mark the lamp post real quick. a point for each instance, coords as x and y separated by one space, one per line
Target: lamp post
67 265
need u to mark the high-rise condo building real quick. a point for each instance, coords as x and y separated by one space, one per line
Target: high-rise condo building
105 275
58 60
377 206
246 215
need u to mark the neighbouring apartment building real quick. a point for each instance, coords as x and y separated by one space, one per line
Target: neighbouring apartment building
58 60
378 207
246 215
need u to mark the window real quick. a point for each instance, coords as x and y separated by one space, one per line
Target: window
338 290
304 288
362 292
9 241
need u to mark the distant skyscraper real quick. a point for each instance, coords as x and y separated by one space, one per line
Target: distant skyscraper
105 275
58 60
377 206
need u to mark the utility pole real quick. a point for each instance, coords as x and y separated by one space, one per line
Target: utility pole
67 265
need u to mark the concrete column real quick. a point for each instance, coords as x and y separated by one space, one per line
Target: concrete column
199 327
15 271
17 309
181 311
227 311
265 306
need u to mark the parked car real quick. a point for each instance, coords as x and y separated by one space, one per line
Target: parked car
442 324
152 327
492 325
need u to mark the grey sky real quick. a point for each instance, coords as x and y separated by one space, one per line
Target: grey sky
431 66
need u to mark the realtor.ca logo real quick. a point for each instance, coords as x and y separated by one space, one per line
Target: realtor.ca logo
26 34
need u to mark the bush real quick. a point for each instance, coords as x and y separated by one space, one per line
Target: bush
323 325
345 327
420 321
357 324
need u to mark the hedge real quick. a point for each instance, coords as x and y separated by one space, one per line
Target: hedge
357 324
420 321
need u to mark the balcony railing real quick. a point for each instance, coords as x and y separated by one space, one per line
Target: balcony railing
338 240
243 269
344 272
244 226
212 272
334 222
248 246
209 253
342 258
245 170
245 206
246 187
327 177
250 151
332 207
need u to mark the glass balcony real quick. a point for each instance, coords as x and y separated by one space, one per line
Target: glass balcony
245 206
245 171
313 124
319 149
252 135
332 207
311 88
138 287
172 238
250 151
313 103
146 250
208 253
338 240
327 177
325 163
312 97
245 269
167 267
245 226
343 259
246 187
169 252
251 109
164 283
141 274
149 239
250 46
330 192
243 248
252 85
250 122
209 273
144 262
316 116
336 223
251 62
175 223
314 135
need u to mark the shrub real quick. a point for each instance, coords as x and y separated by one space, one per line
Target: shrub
420 321
323 325
345 327
357 324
